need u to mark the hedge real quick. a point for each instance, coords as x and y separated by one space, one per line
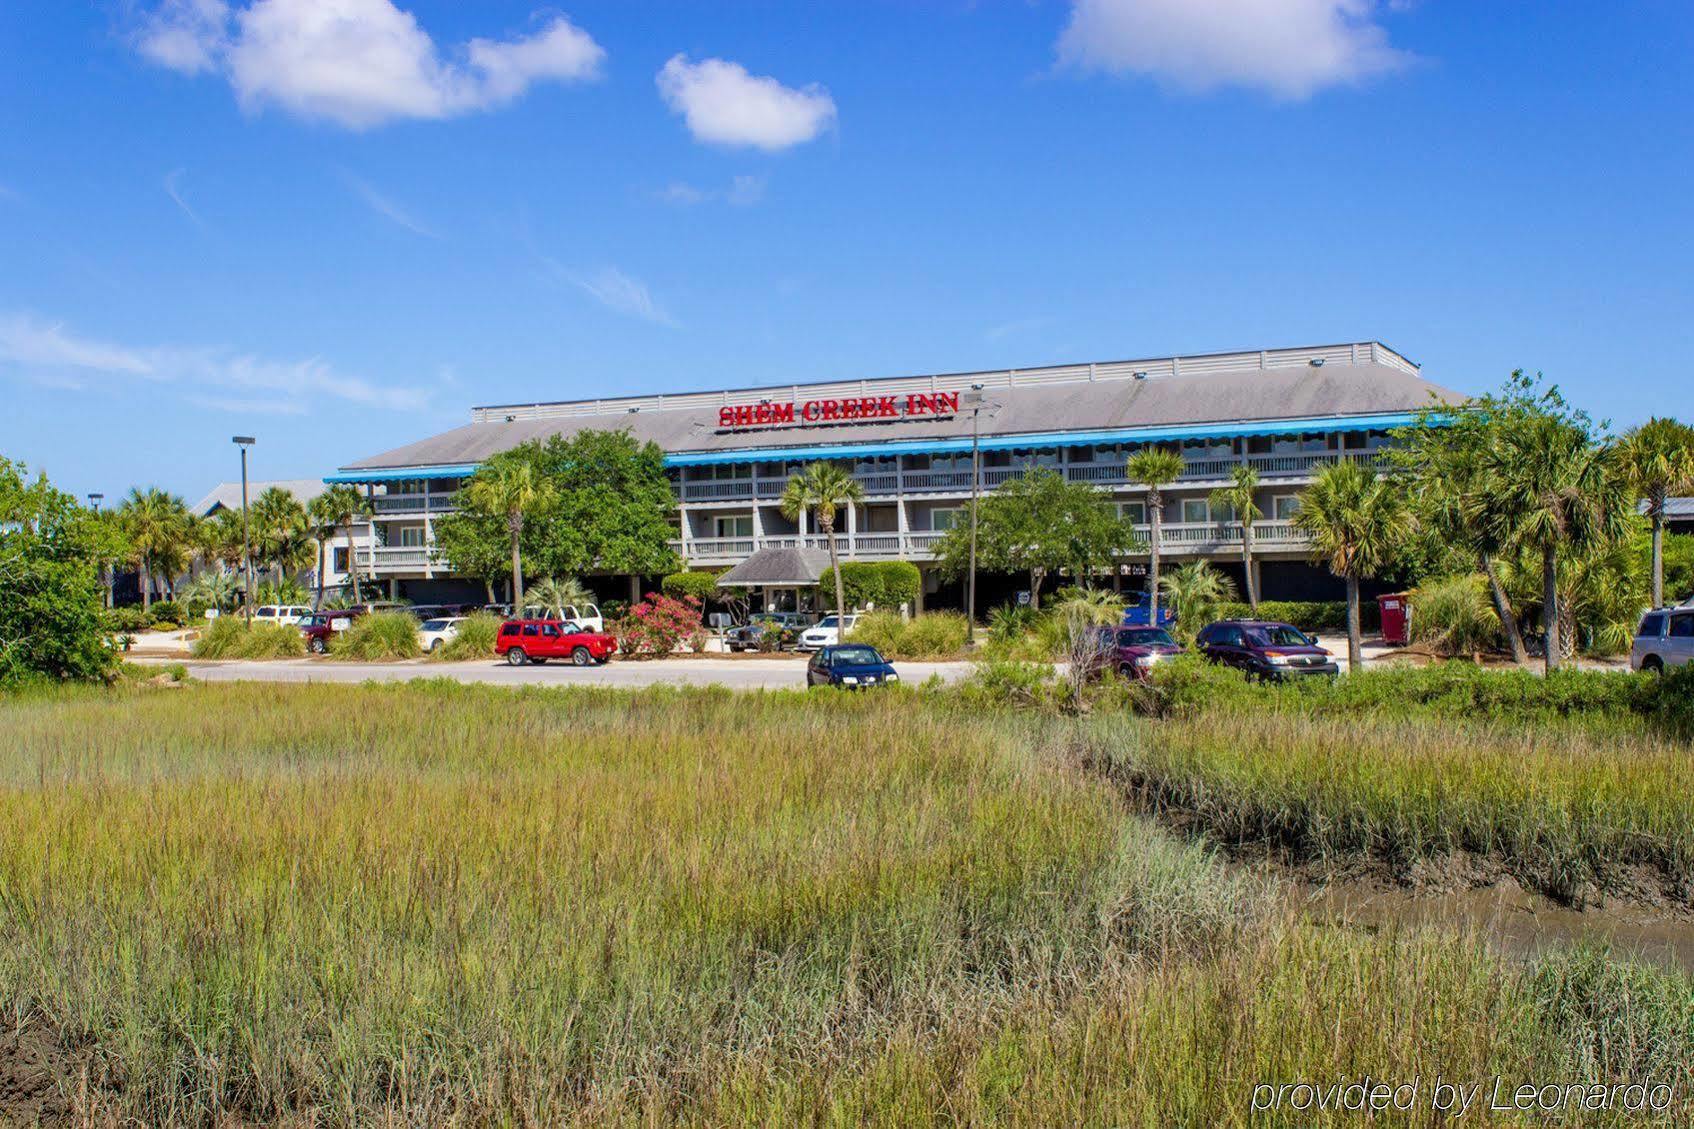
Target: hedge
885 584
1315 616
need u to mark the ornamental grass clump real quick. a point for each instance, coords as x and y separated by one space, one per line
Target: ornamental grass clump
232 637
377 637
473 640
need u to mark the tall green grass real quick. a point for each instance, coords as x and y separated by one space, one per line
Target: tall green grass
474 640
232 637
377 637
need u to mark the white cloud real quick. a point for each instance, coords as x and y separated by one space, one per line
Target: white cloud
743 192
622 294
724 105
1291 48
249 407
173 180
358 63
48 354
389 210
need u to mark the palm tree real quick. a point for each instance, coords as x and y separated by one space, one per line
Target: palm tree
1238 496
1195 590
1154 468
157 524
510 489
280 531
214 589
1659 459
1355 522
339 507
321 521
555 595
1555 488
826 488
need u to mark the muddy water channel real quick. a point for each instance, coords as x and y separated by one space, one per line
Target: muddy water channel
1511 918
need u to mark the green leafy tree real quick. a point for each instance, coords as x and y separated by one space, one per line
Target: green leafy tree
1658 457
509 487
1355 521
158 529
1155 469
824 489
281 532
338 508
1239 496
52 619
1440 458
1040 524
1558 486
612 506
700 583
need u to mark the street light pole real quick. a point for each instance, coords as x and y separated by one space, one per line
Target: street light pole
94 500
244 442
976 492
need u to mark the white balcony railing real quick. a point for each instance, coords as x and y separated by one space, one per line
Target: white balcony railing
397 559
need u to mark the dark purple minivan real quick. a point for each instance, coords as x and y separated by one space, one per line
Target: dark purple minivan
1135 650
1263 649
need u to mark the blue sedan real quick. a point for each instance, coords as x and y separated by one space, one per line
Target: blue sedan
852 665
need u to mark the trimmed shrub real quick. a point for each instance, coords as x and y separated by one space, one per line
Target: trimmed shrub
882 584
165 611
378 636
231 637
474 640
1327 617
700 583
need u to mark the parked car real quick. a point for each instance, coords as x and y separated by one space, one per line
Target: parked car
286 614
852 665
1665 638
537 640
749 635
1135 650
320 627
583 615
825 634
1264 649
1138 611
434 634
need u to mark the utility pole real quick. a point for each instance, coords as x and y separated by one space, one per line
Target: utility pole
94 500
244 442
976 492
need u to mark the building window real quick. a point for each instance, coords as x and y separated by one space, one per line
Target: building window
1196 511
411 537
339 559
1133 512
951 517
1285 506
739 526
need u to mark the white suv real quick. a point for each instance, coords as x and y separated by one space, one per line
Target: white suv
585 616
288 615
825 634
1664 639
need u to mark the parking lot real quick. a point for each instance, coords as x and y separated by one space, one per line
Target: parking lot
736 673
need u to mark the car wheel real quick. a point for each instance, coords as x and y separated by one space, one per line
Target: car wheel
435 646
516 657
317 646
1653 664
580 656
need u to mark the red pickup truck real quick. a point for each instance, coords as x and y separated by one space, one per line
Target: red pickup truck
537 640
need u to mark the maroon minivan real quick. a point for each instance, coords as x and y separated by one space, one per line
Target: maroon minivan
1263 649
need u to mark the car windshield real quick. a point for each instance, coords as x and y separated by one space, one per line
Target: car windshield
827 621
1145 637
312 621
856 656
435 624
1277 635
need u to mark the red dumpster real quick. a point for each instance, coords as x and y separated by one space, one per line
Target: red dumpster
1396 618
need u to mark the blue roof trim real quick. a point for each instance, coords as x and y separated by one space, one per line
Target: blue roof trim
1047 439
946 446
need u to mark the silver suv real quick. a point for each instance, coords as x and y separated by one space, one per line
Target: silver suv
1664 639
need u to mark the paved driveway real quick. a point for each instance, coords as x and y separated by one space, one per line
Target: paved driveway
740 674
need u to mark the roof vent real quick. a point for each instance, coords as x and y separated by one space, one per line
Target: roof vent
1316 362
509 419
1139 375
634 408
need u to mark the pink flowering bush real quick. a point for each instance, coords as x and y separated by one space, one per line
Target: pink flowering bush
657 625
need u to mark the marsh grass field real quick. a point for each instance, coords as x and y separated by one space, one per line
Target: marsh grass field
433 903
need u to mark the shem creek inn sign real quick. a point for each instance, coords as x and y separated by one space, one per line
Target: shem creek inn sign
854 409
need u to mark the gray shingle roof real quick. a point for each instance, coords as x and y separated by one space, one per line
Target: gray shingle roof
227 495
1243 395
777 566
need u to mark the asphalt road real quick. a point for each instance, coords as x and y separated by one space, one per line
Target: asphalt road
739 674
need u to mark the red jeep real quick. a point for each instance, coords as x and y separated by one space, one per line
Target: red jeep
537 640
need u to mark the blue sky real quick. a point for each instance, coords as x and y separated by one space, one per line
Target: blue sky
222 217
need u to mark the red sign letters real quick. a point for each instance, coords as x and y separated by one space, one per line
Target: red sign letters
848 410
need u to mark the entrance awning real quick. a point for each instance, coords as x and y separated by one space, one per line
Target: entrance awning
782 568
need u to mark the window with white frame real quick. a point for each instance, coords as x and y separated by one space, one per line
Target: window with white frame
1133 512
411 536
738 525
1196 511
1285 506
944 518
